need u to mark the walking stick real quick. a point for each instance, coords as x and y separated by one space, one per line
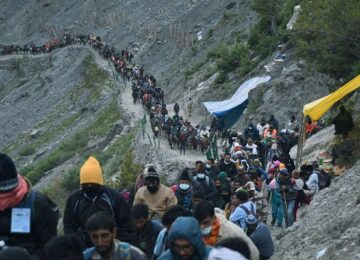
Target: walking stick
287 216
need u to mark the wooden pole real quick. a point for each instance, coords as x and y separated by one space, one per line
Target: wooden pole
301 142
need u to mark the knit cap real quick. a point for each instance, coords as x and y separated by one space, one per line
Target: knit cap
277 163
8 173
15 253
284 172
185 175
222 176
251 220
150 171
91 172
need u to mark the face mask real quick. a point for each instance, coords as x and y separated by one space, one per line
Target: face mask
152 189
184 186
201 175
206 231
225 197
208 166
91 191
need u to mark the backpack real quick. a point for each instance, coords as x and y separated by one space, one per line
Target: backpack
323 180
104 196
247 211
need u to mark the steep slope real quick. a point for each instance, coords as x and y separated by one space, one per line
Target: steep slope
153 28
330 224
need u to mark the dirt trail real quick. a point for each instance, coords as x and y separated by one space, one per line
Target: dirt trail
147 149
169 161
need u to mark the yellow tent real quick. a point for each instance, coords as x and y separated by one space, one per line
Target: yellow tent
319 107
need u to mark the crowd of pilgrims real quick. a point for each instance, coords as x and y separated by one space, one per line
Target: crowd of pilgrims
217 209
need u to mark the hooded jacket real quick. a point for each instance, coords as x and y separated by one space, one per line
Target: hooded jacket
186 228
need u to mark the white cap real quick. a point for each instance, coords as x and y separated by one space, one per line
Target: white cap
223 253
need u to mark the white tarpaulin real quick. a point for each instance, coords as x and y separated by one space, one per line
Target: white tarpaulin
240 96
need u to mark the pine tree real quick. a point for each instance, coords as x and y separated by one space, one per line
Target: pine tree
328 34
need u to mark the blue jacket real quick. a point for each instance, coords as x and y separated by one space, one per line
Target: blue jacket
186 228
263 240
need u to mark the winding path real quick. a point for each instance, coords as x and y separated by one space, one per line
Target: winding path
169 161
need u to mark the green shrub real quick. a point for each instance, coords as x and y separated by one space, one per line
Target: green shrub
28 150
129 170
93 74
210 33
221 78
230 58
227 15
71 180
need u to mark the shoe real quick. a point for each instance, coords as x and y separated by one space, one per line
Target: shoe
280 225
273 222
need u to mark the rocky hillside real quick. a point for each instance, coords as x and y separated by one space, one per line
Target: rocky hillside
328 228
58 108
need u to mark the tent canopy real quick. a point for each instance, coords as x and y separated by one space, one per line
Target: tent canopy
319 107
221 108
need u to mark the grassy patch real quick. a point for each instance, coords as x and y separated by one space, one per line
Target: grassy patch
27 150
221 78
118 157
94 80
71 180
196 67
129 171
54 190
227 16
253 106
230 58
210 33
93 75
75 145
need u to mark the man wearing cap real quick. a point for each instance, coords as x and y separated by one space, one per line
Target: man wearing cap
286 187
258 199
155 195
93 197
260 235
23 211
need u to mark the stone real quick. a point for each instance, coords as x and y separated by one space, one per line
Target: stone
35 133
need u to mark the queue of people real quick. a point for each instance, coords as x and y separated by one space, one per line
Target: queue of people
216 210
211 206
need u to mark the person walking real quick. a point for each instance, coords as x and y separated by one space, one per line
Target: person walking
92 197
23 211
